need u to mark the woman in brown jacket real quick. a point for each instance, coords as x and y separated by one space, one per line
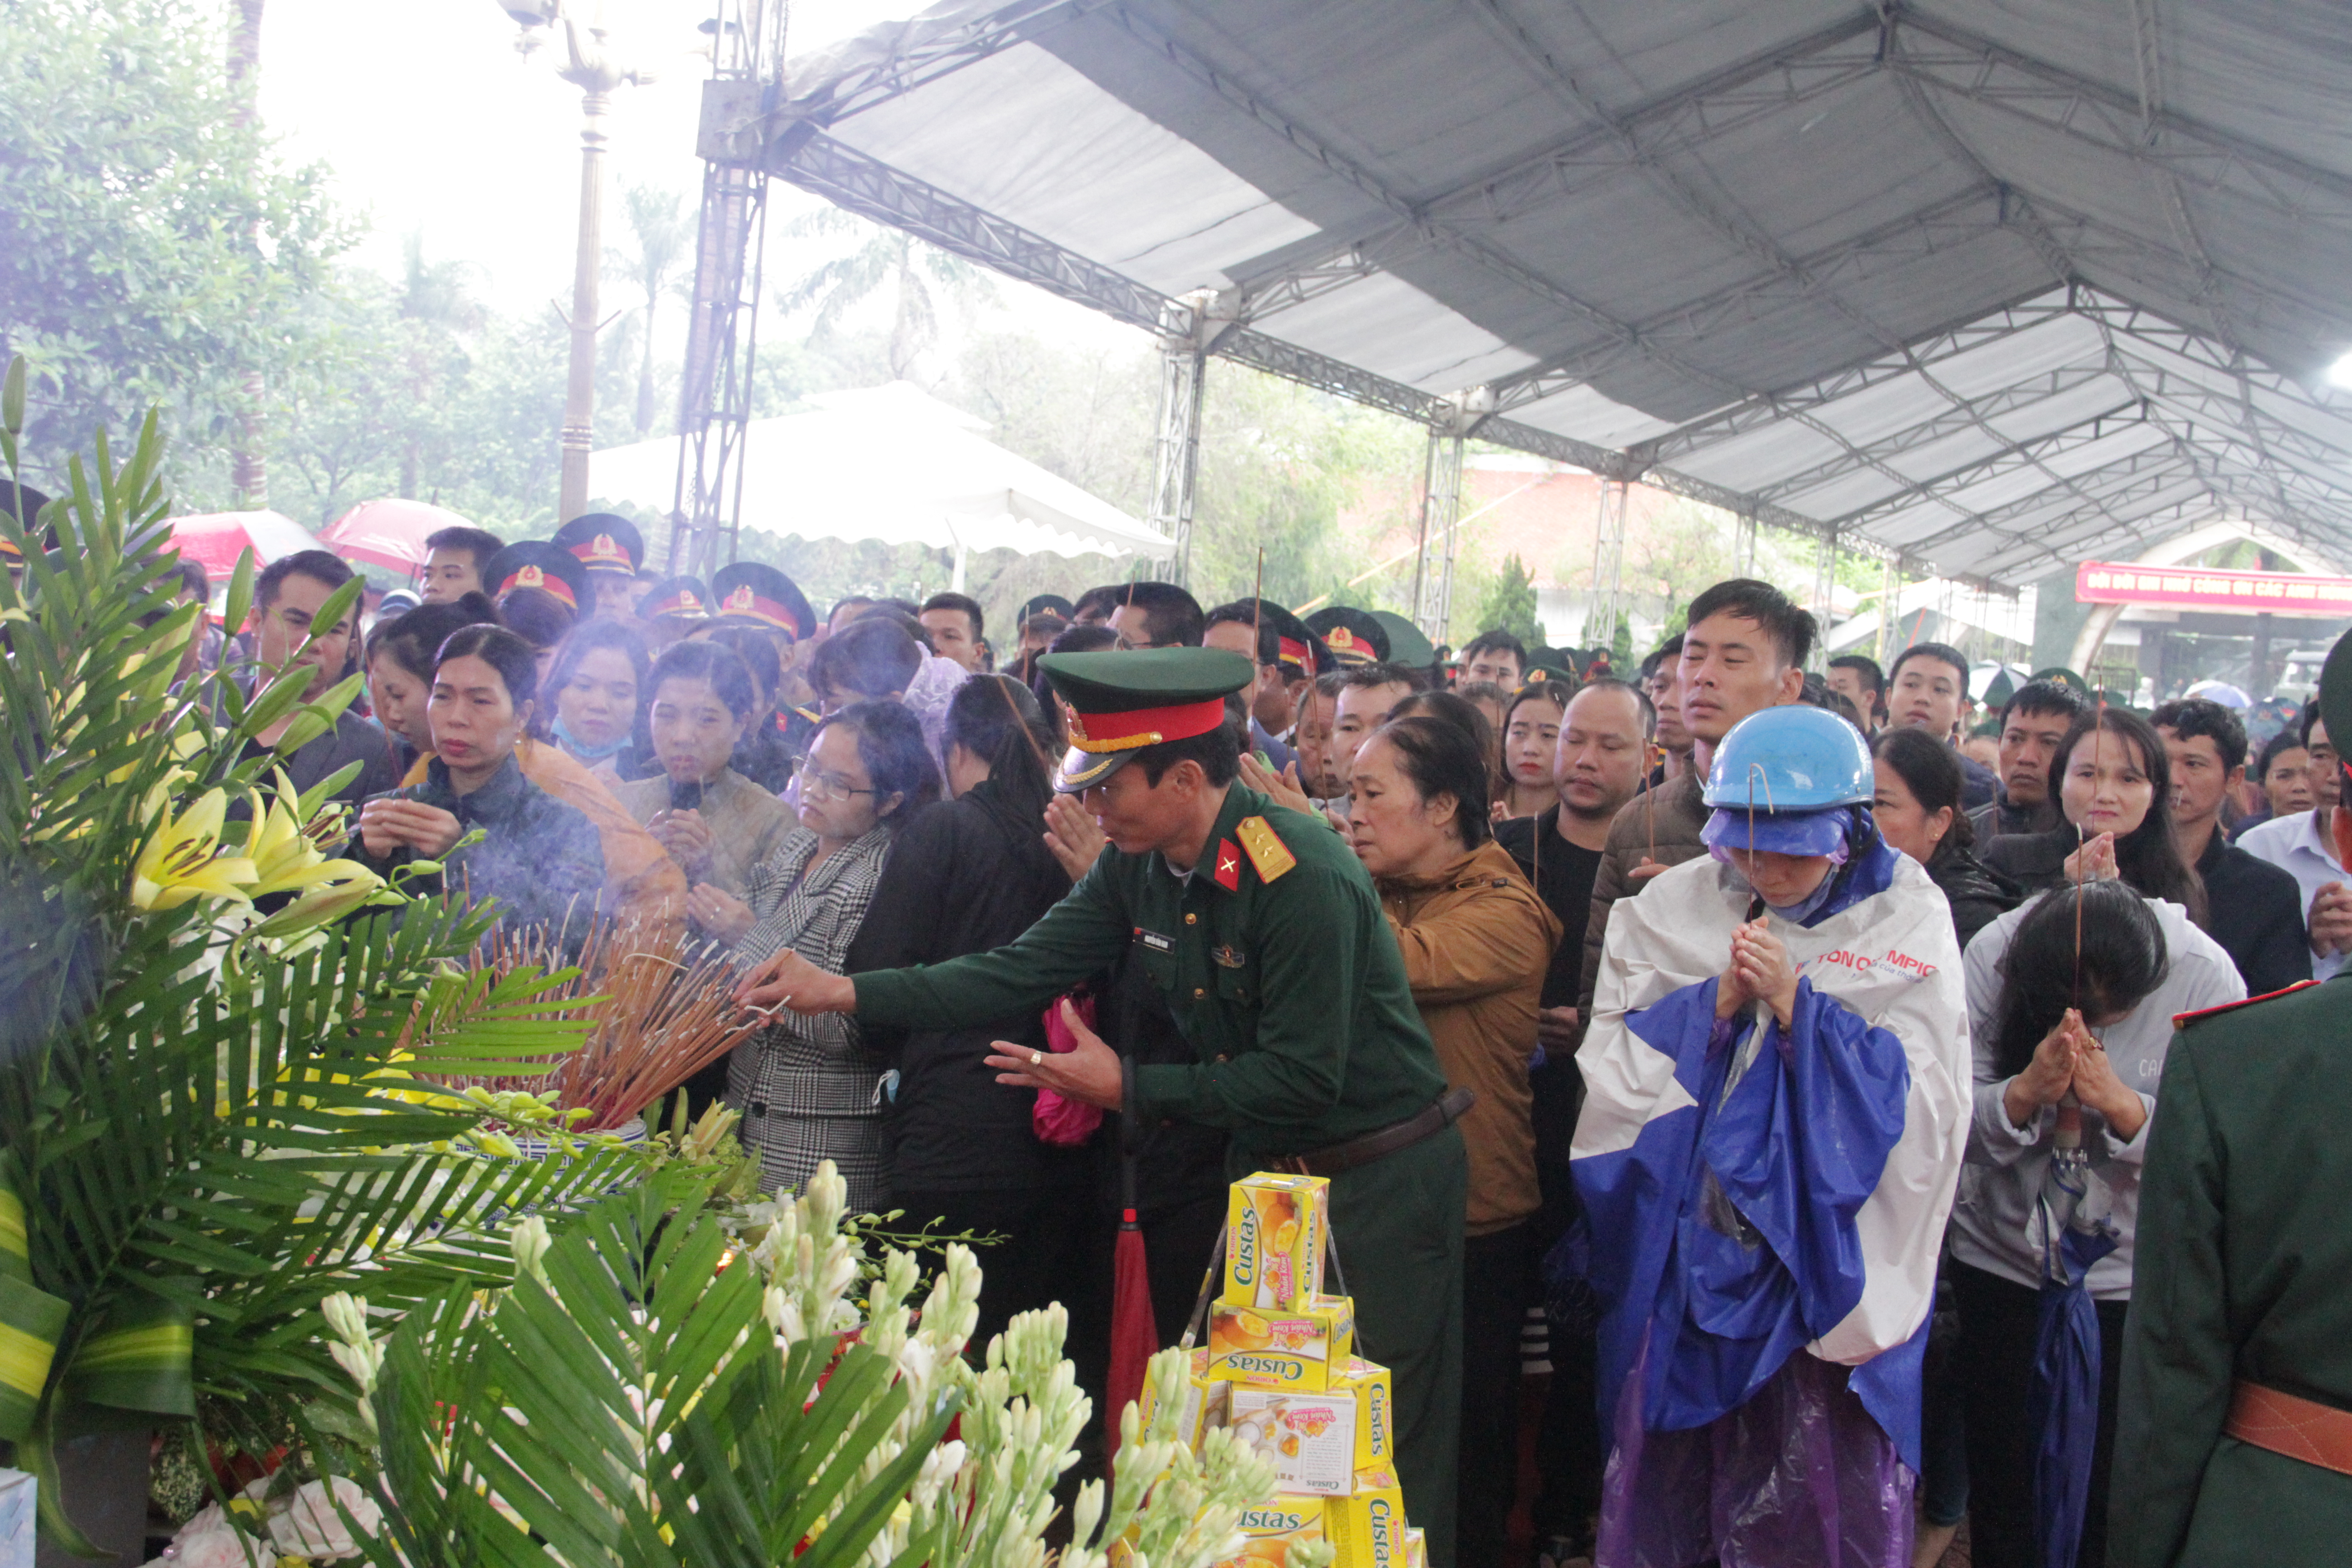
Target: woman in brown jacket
1476 941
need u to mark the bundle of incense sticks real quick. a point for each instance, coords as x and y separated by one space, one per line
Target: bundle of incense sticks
667 1015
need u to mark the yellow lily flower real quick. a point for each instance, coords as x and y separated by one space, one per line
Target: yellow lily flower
353 886
182 863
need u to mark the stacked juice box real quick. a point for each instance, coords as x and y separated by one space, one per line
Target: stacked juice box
1281 1373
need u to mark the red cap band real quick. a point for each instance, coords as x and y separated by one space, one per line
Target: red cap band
602 551
532 577
775 612
679 603
1296 652
1144 726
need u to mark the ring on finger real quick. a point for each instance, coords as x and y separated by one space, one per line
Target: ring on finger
1037 1058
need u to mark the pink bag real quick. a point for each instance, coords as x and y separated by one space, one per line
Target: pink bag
1063 1122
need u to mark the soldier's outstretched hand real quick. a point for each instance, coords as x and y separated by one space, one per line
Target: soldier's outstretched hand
1089 1071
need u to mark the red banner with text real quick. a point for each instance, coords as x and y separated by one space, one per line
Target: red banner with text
2204 588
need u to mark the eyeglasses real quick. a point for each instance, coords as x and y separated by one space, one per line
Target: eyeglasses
816 786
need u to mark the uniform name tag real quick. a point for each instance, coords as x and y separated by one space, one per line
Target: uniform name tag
1154 940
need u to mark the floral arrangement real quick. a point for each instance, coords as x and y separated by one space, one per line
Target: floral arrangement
670 1381
212 1111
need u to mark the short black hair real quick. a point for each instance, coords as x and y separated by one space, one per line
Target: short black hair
905 620
2311 716
1931 770
1670 648
318 565
1173 615
538 616
413 641
1098 601
965 601
1791 628
1359 675
1449 708
1240 612
2287 740
2044 697
2190 716
1218 750
479 543
873 656
898 761
756 651
600 631
1442 758
1874 678
1648 709
195 580
1495 640
1941 652
516 660
2095 941
712 661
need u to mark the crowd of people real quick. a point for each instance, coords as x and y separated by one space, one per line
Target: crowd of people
1716 1034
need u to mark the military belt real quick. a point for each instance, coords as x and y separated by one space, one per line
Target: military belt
2286 1423
1387 1141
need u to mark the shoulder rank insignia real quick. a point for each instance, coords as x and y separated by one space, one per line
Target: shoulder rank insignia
2182 1020
1267 853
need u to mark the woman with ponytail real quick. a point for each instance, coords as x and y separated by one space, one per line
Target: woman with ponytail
967 876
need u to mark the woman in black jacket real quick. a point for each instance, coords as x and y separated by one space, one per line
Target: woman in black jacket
1918 809
2114 782
967 876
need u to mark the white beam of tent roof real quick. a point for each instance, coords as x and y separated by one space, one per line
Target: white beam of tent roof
1986 288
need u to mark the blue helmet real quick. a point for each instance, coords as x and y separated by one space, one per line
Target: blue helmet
1801 758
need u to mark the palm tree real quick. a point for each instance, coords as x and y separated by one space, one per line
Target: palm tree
663 228
920 274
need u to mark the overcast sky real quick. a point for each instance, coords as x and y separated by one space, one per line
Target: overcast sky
432 121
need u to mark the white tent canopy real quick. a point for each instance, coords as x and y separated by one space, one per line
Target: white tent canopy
894 464
1992 287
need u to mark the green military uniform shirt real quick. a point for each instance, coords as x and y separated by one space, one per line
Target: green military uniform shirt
1291 990
2243 1271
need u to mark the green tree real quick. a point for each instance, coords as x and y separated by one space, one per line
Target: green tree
920 279
662 225
152 249
1510 603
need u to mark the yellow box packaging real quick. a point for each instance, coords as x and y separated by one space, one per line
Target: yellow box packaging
1276 1230
1269 1529
1310 1438
1416 1548
1281 1349
1374 1393
1204 1402
1367 1525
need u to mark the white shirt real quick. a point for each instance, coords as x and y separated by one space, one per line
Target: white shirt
2003 1175
2296 845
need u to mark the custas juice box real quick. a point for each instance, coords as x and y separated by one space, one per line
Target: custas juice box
1367 1525
1294 1350
1276 1227
1269 1529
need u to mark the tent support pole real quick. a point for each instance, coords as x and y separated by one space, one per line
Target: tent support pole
1441 510
1183 378
1608 565
1824 583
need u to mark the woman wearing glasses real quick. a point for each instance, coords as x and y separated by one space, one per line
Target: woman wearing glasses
808 1087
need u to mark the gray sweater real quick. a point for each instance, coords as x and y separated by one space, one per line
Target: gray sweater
2005 1164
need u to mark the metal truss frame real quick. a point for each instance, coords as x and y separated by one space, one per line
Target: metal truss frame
2217 440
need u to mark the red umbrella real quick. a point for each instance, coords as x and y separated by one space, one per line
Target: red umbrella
1134 1335
216 539
389 533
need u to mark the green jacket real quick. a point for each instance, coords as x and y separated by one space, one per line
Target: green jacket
1291 991
2244 1269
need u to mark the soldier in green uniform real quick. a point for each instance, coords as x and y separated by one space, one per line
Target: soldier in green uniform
2233 1440
1265 933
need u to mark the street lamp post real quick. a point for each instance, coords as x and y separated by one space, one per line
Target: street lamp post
591 67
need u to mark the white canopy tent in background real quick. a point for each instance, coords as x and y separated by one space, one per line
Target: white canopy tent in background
896 465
